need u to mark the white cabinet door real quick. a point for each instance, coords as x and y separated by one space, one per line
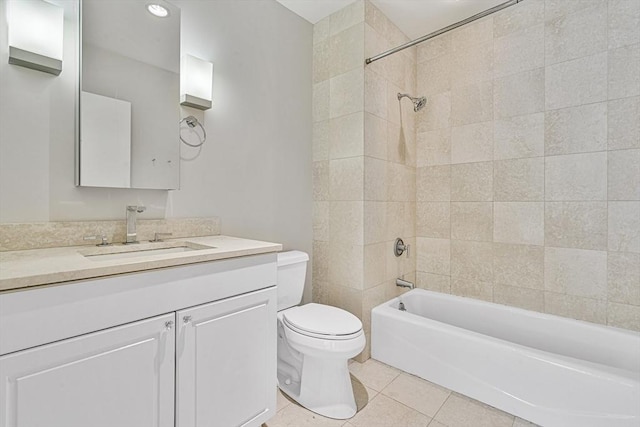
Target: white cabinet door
226 367
118 377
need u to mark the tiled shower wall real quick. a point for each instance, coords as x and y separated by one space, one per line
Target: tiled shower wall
528 160
363 161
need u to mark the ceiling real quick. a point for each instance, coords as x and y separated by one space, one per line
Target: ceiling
414 17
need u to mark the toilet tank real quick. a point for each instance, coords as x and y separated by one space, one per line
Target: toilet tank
292 269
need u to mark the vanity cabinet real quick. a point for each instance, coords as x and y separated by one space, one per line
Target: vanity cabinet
122 376
81 354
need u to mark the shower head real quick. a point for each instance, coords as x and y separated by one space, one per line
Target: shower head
418 103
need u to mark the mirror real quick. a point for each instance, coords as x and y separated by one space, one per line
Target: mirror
129 97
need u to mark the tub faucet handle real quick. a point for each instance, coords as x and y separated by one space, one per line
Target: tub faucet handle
399 248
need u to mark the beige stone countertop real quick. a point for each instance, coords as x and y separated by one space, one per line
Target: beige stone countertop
22 269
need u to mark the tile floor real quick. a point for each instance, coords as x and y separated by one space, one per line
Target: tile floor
389 397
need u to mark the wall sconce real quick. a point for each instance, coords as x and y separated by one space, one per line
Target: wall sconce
36 35
196 82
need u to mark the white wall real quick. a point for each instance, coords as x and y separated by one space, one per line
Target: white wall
254 171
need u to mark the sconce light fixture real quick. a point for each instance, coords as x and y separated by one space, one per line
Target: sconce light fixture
196 82
36 35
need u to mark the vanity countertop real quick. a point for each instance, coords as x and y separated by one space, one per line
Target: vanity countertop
22 269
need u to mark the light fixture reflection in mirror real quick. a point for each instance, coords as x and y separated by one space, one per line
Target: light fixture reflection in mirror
157 10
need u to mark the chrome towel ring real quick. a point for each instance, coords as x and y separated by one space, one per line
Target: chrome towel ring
192 122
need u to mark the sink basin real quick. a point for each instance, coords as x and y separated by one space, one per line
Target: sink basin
122 252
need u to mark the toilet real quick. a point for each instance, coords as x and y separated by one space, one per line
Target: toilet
315 342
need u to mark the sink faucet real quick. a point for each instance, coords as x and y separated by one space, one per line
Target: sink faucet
132 236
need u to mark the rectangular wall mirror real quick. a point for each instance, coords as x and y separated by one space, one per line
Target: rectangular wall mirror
129 95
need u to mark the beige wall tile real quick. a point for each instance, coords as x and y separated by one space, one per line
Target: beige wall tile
402 187
623 277
346 298
518 179
471 182
580 225
471 288
395 105
518 94
433 148
375 136
557 8
321 31
433 282
624 175
346 266
623 123
346 178
624 226
471 103
375 222
321 61
576 130
396 217
374 264
321 180
623 316
435 47
529 299
346 93
346 136
576 177
433 255
576 82
472 221
472 143
576 272
320 261
472 260
433 219
321 221
624 17
433 184
320 143
518 265
434 75
471 65
587 309
473 34
624 71
519 51
523 15
375 96
518 222
346 222
320 107
346 17
519 136
438 116
376 181
346 50
577 34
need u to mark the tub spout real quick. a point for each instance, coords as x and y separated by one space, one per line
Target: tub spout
404 283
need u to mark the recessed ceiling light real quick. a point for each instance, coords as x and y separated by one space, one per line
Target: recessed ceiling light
157 10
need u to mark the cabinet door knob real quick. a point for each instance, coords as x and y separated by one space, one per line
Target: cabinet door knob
186 319
169 325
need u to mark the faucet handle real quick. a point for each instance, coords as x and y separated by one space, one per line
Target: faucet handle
102 237
157 237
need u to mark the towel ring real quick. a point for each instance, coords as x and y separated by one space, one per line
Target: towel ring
192 122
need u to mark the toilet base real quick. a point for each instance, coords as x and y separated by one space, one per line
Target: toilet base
325 388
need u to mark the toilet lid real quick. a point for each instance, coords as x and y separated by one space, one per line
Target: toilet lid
322 319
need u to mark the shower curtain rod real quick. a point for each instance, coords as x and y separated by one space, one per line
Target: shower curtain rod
443 30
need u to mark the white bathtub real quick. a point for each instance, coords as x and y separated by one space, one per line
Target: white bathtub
547 369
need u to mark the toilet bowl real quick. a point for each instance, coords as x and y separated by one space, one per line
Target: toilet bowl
315 342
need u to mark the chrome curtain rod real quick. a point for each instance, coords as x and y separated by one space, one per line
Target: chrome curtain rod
443 30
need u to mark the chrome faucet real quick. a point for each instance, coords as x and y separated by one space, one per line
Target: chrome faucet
132 236
404 283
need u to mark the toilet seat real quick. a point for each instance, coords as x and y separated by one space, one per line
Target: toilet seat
322 321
